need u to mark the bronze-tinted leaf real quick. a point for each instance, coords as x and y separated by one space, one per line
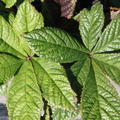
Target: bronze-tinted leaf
67 7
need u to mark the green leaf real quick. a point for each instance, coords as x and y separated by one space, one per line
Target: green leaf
61 114
9 3
27 18
8 67
3 90
55 45
100 101
81 69
6 48
24 99
54 84
110 39
11 18
48 114
110 64
8 34
91 24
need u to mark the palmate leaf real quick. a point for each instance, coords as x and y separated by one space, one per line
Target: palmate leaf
9 3
54 84
8 67
27 18
55 44
24 99
91 23
24 103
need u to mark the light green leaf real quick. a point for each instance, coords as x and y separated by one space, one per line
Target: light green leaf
8 67
3 90
9 3
54 84
100 101
81 69
24 99
110 39
8 34
11 18
6 48
27 19
61 114
91 24
48 114
110 64
55 45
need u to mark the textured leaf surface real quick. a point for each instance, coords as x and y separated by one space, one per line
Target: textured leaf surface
55 44
9 3
91 23
54 84
8 66
11 18
110 64
27 18
81 69
99 99
67 7
8 34
6 48
60 114
110 39
24 100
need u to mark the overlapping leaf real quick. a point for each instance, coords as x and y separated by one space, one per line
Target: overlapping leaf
9 36
24 100
94 70
24 97
54 84
55 44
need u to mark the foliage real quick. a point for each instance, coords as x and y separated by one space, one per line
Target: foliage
31 54
97 62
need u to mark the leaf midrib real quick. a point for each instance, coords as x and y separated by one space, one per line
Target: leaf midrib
108 80
53 82
60 46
